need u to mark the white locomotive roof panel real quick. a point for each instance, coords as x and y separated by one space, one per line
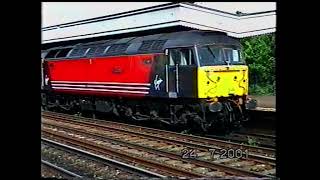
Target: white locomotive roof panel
164 16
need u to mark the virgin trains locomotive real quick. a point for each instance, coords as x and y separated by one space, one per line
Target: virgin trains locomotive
190 79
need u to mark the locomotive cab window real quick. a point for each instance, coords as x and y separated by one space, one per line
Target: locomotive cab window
232 55
183 56
217 55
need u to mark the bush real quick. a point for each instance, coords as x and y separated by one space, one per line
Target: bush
267 90
259 53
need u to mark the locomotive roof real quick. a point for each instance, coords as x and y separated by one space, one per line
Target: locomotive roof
156 43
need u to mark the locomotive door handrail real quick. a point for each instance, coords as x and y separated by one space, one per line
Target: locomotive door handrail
42 73
177 78
167 79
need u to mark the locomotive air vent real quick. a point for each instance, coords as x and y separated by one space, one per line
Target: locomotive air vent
158 45
152 45
63 53
145 45
91 51
100 50
52 54
117 48
78 52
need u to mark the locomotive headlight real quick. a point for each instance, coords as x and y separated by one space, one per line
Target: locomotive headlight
215 107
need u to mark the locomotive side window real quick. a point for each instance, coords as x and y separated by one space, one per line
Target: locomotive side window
186 57
174 55
181 56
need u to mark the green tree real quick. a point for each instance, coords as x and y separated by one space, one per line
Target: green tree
259 53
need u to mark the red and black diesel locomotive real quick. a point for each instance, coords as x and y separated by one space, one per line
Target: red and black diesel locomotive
195 78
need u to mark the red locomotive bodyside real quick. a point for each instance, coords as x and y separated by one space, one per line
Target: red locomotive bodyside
126 76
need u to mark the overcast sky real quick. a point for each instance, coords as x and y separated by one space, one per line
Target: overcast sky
54 13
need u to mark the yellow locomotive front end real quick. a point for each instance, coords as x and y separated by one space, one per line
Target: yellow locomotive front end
222 81
223 84
222 73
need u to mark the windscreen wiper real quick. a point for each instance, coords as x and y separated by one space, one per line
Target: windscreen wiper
211 53
225 60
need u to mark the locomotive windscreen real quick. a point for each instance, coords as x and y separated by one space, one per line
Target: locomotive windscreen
217 55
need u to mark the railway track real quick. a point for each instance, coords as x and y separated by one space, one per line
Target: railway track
190 154
59 170
258 134
103 161
250 138
105 150
256 152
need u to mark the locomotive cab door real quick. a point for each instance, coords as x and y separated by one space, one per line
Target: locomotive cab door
180 72
172 74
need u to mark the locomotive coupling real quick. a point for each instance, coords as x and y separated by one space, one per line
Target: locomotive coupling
251 103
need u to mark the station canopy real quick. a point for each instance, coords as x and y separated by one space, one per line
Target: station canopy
170 15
